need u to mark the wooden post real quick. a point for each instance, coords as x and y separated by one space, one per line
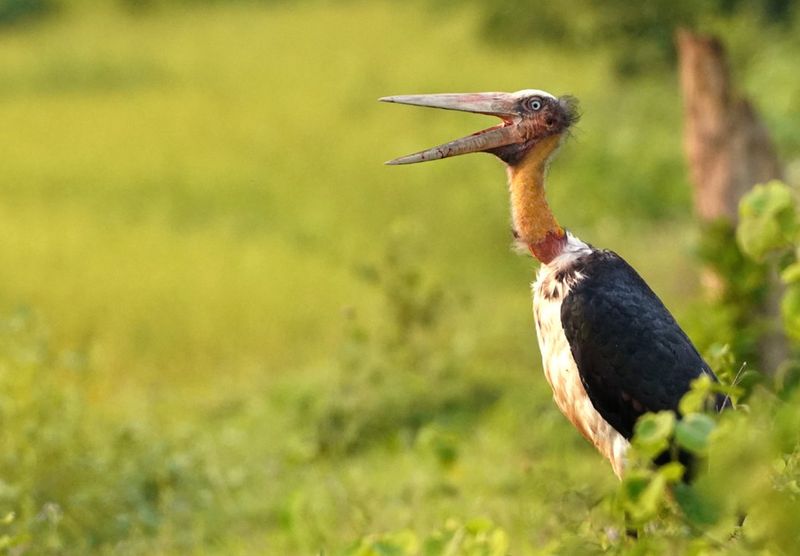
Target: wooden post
729 150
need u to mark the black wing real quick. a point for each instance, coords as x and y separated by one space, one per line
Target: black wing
631 354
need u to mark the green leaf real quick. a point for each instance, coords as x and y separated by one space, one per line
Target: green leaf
653 431
672 471
720 356
695 399
692 432
643 494
698 509
767 219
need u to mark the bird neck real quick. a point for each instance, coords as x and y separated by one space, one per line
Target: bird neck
535 226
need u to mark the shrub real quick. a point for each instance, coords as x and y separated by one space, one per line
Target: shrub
70 481
404 372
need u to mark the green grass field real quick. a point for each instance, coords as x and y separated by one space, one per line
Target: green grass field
229 329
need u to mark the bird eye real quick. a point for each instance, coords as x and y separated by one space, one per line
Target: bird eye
535 104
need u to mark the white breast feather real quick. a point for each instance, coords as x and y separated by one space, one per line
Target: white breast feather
560 368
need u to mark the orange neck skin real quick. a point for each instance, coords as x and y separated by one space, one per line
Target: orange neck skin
534 223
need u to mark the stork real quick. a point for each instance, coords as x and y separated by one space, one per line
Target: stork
611 350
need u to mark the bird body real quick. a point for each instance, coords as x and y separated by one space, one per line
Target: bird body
611 350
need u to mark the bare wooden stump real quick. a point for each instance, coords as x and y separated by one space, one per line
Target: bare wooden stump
729 150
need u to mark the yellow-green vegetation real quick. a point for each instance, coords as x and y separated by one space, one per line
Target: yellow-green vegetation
228 329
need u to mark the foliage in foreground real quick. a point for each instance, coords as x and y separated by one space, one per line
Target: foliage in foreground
65 486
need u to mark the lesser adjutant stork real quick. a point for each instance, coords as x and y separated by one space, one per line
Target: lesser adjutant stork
611 350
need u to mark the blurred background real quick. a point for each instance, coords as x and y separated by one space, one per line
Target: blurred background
227 328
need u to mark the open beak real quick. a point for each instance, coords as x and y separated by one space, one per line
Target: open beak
502 105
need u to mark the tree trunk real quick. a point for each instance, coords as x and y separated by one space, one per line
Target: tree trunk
729 150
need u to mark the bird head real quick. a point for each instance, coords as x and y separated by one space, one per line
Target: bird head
529 118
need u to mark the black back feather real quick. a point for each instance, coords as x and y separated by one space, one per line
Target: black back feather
631 354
